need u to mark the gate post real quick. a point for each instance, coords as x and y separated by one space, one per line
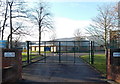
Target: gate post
28 56
113 64
92 52
1 65
59 52
11 65
89 51
45 51
74 51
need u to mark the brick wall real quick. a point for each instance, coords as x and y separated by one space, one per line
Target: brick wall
113 66
11 66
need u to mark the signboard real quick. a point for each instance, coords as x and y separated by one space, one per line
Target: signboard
3 44
116 54
47 49
9 54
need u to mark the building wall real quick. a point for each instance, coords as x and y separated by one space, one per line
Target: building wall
53 49
36 48
69 47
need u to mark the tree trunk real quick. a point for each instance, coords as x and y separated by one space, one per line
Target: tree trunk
105 37
4 21
53 47
8 42
39 40
11 25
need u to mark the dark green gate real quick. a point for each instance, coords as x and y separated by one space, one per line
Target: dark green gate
59 51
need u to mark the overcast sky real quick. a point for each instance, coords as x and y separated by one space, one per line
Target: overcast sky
69 15
73 15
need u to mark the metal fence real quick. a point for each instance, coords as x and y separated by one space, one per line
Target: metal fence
58 51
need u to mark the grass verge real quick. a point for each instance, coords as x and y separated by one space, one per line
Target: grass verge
99 62
32 56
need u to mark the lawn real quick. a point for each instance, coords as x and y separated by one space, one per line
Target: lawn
32 56
99 62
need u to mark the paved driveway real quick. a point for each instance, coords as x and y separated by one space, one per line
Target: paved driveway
78 72
64 57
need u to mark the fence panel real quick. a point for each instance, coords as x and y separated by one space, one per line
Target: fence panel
56 51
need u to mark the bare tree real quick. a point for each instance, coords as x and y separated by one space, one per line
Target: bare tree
11 29
78 35
13 11
42 18
16 6
0 20
18 31
102 24
53 37
5 16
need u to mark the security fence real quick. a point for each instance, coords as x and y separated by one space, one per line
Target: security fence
58 51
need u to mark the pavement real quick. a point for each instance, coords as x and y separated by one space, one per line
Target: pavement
66 72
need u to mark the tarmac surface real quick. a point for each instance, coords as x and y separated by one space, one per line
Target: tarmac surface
66 72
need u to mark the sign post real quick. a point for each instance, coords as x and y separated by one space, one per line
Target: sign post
11 65
113 64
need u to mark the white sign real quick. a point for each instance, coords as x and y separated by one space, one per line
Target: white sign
9 54
116 54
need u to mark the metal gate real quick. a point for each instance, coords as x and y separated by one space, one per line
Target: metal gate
58 51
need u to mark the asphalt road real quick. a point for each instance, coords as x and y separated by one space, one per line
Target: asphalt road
63 58
65 72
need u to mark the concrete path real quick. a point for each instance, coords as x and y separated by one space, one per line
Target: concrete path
65 73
